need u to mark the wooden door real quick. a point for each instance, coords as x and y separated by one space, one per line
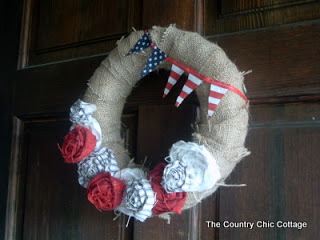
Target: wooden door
51 48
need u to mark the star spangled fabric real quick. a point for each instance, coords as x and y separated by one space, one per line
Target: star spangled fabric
156 57
191 84
175 74
215 96
143 43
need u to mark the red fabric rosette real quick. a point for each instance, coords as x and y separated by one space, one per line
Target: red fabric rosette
165 202
78 144
105 192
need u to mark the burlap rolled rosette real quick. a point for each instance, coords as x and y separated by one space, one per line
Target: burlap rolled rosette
165 201
105 192
77 144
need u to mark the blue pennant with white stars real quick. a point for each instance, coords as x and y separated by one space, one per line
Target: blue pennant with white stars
157 57
143 43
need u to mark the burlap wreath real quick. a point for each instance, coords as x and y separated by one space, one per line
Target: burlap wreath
223 135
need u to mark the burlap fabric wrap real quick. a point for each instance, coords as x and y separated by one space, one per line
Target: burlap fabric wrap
223 135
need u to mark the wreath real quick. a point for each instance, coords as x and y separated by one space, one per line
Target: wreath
194 170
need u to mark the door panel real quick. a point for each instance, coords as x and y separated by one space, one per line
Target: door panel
60 30
53 204
225 16
280 174
183 13
50 90
158 128
284 61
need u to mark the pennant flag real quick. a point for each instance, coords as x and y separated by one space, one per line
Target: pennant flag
157 57
143 43
191 84
175 74
215 96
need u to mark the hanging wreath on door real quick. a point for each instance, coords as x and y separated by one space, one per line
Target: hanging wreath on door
195 169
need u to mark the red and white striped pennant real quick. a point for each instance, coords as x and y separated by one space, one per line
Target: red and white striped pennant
175 74
191 84
215 96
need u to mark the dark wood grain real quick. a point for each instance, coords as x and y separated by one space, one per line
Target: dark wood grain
87 20
165 12
59 30
10 18
257 201
233 16
55 204
129 132
159 125
301 186
280 174
158 128
53 88
199 10
230 8
208 210
284 60
149 91
16 190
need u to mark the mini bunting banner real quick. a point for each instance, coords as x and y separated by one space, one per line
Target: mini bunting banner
215 96
157 57
191 84
217 88
175 74
143 43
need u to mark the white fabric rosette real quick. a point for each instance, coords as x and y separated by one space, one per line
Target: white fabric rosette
138 198
191 168
81 114
99 161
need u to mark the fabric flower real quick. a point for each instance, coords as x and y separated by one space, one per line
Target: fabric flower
175 176
191 168
136 195
165 202
99 161
139 197
80 112
78 144
105 192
